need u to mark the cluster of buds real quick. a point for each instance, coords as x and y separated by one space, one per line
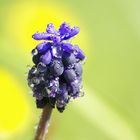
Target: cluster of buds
56 75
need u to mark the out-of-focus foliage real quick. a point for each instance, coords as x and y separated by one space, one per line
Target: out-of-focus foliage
110 37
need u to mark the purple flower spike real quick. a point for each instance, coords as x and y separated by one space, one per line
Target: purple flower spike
46 58
41 36
50 29
56 75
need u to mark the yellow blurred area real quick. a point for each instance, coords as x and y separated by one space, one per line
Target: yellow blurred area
34 16
14 106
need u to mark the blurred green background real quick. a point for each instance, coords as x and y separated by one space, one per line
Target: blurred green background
110 38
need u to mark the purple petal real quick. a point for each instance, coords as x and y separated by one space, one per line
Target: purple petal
43 47
67 47
64 28
50 29
46 58
41 36
78 53
74 31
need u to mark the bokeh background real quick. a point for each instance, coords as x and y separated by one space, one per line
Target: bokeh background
110 38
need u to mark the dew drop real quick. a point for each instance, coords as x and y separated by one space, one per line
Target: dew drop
70 99
28 67
35 80
32 85
34 52
81 93
41 67
51 84
57 52
83 61
57 78
48 90
34 70
75 52
54 51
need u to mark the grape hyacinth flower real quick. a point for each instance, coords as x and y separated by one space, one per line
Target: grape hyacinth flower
56 76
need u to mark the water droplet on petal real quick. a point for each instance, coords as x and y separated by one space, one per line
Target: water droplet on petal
35 80
33 70
70 99
41 67
34 52
81 93
48 90
83 61
56 52
32 85
51 84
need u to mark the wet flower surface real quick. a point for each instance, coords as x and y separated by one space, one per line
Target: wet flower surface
56 75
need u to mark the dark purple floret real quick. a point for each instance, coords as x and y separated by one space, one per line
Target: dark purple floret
57 67
78 53
78 68
67 47
68 59
69 75
36 58
75 88
56 75
46 58
43 47
41 68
